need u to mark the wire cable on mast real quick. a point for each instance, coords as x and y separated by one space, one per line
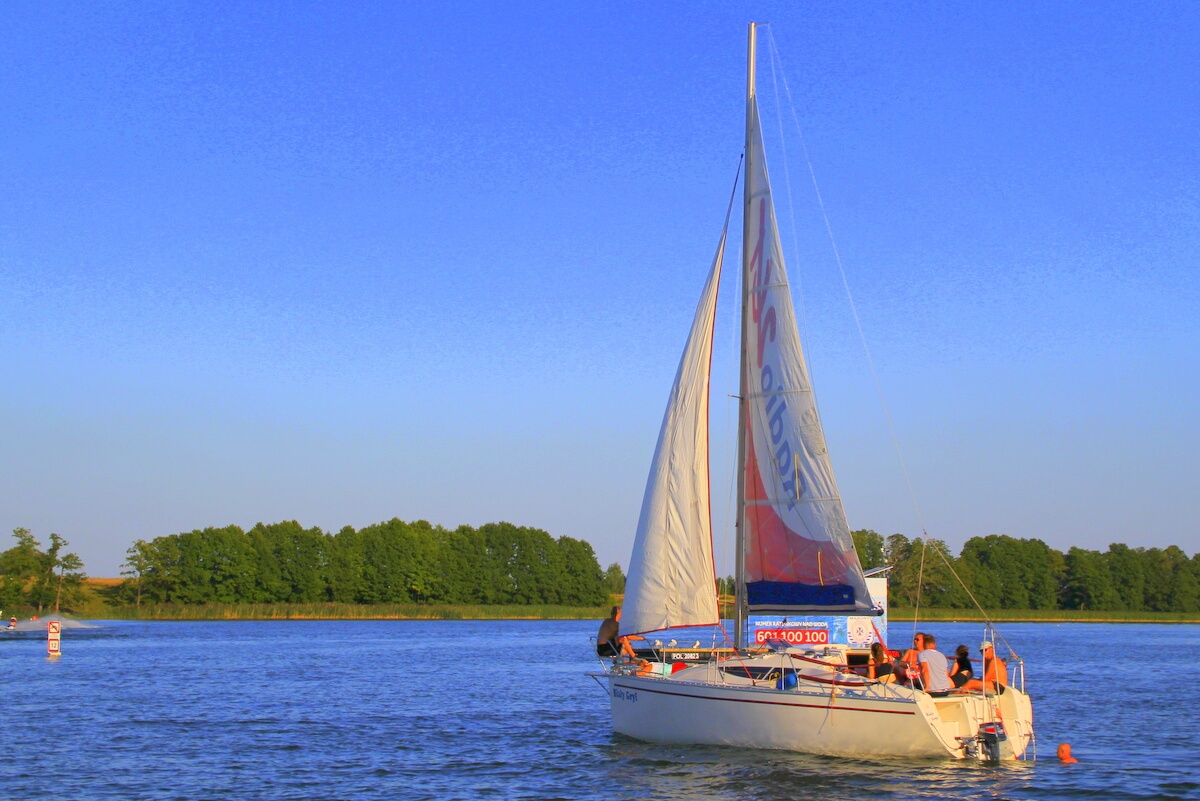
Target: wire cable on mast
845 282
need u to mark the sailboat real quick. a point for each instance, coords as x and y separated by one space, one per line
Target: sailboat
794 555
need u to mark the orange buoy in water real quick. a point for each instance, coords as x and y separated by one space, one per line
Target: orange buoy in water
1064 754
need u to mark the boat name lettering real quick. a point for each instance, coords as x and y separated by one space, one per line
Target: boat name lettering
624 695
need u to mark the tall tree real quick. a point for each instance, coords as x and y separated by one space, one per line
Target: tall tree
614 579
138 562
870 547
20 567
1089 584
921 572
1128 571
59 569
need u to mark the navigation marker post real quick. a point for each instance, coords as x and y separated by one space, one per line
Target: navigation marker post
53 638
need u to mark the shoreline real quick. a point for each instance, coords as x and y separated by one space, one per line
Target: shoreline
512 612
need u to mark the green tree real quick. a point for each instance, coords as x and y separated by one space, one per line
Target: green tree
870 547
1170 585
1011 573
20 567
138 562
1128 571
584 584
58 571
344 566
921 571
1089 584
614 579
1184 590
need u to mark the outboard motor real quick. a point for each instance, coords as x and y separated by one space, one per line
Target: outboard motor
993 742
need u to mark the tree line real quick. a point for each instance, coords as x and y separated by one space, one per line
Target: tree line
1004 572
37 579
499 563
389 562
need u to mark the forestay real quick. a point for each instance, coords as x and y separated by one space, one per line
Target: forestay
672 581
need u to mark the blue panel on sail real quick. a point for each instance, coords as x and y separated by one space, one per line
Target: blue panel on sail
785 595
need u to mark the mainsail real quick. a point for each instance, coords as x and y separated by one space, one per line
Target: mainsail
798 553
672 581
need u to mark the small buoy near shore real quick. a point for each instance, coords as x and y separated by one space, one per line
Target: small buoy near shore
1064 754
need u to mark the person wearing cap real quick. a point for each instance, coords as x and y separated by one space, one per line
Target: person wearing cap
995 671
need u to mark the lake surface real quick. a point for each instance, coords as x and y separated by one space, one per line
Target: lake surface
501 709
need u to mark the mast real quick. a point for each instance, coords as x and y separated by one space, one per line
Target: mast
739 625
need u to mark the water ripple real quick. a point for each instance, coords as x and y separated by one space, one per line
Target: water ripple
432 710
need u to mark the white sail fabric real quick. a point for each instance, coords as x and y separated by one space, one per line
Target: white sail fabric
799 554
672 581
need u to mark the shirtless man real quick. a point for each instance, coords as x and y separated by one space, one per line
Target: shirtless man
995 672
609 641
910 659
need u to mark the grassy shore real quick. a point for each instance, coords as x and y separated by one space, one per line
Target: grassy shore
1043 616
100 604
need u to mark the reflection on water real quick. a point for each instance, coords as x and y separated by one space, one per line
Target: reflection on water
449 710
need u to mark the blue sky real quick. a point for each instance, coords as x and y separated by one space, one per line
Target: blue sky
346 263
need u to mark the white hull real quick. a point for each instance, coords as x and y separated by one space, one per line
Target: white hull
869 721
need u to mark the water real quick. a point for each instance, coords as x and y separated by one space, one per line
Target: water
501 709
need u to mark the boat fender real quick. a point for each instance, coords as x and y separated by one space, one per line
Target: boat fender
786 682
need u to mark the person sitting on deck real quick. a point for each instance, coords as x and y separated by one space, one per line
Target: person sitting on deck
609 641
906 669
935 673
963 671
880 664
995 672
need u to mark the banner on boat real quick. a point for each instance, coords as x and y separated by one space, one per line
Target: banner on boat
854 631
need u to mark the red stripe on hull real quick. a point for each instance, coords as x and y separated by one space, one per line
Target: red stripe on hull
768 703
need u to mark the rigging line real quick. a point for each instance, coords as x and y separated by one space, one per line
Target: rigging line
988 622
920 583
787 181
849 295
731 414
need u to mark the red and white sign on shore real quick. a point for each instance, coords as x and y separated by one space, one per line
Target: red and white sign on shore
53 637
